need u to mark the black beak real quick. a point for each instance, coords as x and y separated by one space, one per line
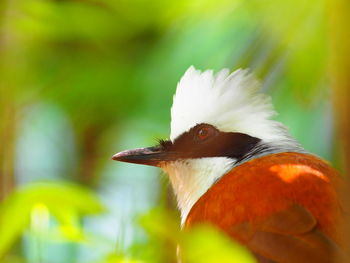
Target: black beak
148 156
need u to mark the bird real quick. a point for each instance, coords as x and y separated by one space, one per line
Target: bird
231 164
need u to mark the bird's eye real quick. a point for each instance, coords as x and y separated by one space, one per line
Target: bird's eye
204 133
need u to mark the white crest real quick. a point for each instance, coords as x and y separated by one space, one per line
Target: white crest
230 102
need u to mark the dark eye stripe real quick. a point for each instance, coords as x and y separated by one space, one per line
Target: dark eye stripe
216 144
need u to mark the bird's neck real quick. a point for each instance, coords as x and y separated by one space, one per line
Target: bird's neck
191 178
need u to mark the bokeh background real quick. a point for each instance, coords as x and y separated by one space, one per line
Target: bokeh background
83 79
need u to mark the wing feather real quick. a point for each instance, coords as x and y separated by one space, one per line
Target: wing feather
288 236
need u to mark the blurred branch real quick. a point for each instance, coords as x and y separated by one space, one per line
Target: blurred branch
7 136
7 108
87 166
340 64
339 39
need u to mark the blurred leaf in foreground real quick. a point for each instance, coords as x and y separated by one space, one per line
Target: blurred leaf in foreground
201 244
205 244
32 203
163 233
119 259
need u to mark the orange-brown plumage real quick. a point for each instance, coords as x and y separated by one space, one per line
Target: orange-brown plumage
251 193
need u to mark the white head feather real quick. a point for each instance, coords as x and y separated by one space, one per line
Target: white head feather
231 103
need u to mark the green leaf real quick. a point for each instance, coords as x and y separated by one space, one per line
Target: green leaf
200 244
205 244
161 224
14 217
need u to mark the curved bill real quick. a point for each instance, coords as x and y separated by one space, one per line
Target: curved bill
148 156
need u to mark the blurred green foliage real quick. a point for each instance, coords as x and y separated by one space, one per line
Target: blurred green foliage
33 204
81 79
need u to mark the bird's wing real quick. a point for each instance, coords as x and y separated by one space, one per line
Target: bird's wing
288 236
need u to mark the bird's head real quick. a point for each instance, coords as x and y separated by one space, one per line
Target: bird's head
218 121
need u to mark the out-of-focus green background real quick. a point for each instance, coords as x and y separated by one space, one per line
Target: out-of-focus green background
83 79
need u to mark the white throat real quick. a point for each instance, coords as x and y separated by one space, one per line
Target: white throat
191 178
